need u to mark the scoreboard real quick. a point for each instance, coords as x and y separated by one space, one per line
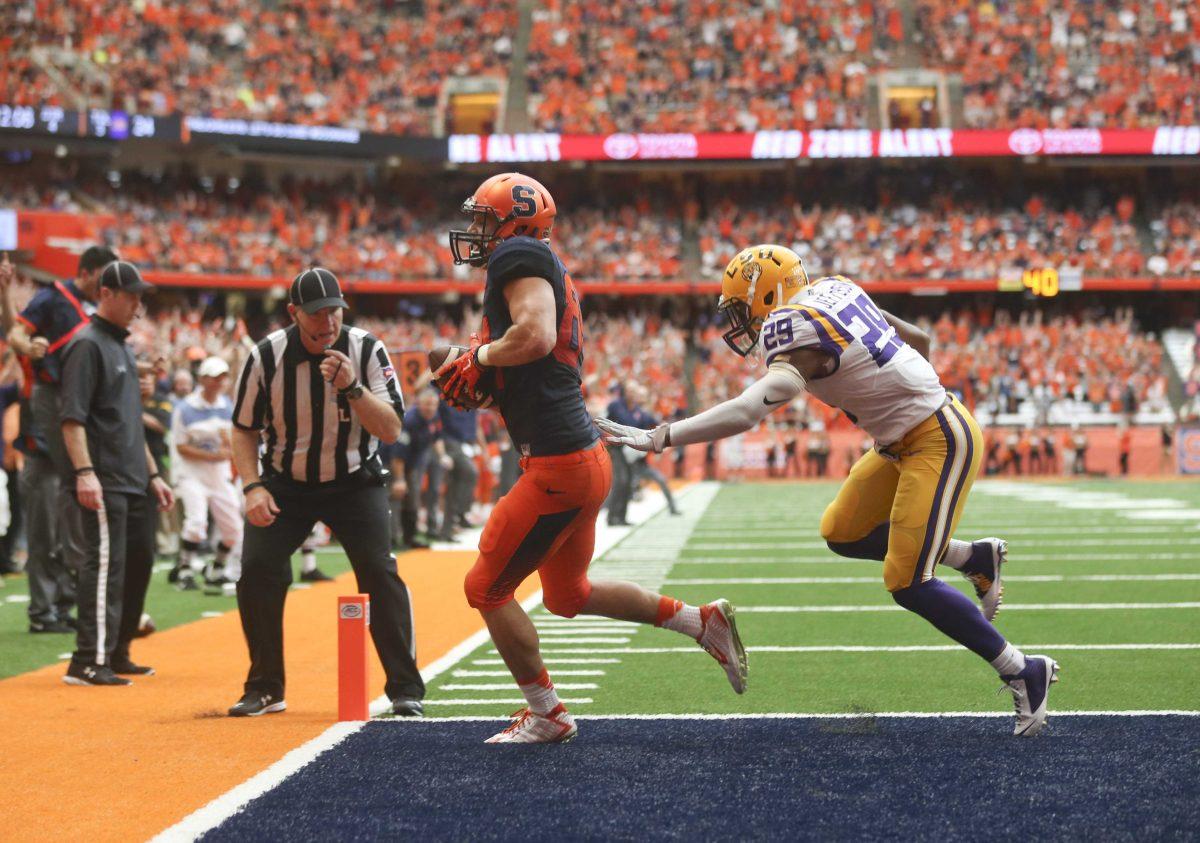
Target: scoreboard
101 123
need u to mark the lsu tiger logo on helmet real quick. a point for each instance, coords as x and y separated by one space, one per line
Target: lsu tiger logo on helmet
506 205
757 281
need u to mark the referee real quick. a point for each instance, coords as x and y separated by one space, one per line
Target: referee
312 404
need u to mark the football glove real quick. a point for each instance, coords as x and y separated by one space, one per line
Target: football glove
462 376
640 440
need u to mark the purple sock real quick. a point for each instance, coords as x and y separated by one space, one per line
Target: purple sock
954 614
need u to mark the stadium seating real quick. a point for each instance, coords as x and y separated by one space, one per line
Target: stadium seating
592 66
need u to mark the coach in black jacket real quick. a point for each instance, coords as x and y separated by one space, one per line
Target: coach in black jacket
312 404
116 481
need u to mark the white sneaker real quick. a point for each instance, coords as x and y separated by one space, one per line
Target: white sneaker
1031 689
983 572
719 638
557 726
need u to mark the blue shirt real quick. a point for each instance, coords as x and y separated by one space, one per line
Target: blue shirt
457 425
418 436
56 312
619 412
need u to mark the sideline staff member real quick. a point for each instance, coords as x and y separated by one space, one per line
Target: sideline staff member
114 471
318 397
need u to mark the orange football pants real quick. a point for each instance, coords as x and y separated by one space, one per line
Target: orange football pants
546 523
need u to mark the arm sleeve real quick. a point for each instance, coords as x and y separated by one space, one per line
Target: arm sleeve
781 384
81 374
380 379
250 408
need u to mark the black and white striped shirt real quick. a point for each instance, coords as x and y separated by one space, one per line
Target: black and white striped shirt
309 433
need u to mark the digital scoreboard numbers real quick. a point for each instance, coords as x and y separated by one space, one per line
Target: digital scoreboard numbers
54 121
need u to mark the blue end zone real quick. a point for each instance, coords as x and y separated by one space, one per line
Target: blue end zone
1092 777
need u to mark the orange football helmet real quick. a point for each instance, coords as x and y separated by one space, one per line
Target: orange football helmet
507 205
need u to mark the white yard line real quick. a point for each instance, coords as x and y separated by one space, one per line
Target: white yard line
507 687
850 648
471 674
550 662
876 580
1008 607
493 701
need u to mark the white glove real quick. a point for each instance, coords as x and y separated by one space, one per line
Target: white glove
636 438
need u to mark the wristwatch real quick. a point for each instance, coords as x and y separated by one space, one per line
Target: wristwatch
352 392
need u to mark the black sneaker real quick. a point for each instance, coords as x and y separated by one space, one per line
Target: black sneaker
125 667
186 581
415 544
58 627
315 575
407 707
254 703
222 587
92 674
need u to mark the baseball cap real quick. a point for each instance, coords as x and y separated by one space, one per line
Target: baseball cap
213 367
122 275
316 288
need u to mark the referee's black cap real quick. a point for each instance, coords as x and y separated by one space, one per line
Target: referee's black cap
122 275
316 288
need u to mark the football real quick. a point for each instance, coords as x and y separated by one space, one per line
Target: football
443 354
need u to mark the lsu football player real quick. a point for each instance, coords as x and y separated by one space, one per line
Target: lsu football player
902 500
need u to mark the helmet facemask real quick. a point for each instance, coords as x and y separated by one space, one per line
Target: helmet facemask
742 335
480 238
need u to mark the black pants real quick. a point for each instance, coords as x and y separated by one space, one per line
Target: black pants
642 470
622 486
460 486
357 513
117 558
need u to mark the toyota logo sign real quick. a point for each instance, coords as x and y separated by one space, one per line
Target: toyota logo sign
620 147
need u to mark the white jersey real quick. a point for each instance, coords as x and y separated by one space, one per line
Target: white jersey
202 425
881 383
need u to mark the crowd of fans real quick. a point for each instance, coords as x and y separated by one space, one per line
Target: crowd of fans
672 65
941 238
223 226
685 65
1068 63
377 65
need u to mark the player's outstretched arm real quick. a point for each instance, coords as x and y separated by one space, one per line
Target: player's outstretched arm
779 386
911 334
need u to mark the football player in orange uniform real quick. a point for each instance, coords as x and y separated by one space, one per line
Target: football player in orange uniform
528 355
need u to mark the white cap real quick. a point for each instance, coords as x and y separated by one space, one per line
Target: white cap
213 367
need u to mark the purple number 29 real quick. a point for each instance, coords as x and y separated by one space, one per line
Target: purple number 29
865 321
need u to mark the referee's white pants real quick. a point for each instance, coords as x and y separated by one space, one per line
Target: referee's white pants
223 500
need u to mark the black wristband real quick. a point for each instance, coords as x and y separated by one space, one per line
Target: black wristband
87 469
249 487
354 384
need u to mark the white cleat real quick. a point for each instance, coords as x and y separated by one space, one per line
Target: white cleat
1031 690
983 572
719 638
558 726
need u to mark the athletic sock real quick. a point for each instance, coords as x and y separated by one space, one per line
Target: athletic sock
954 614
1010 662
308 559
539 693
189 551
958 554
222 554
679 617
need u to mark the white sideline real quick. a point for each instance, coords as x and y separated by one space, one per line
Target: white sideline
228 804
840 715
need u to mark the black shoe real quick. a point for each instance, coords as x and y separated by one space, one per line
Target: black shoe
466 523
8 568
59 627
186 581
315 575
619 522
254 703
125 667
408 707
414 544
447 537
92 674
70 621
